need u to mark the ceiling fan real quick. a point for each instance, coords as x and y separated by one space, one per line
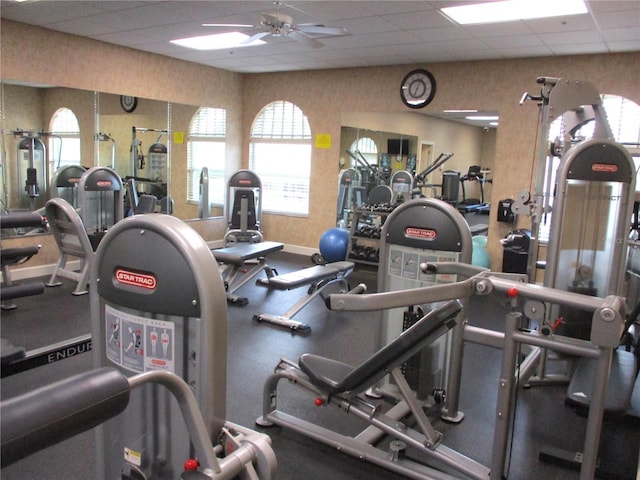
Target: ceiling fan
278 24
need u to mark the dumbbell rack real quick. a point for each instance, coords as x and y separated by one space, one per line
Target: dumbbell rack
364 236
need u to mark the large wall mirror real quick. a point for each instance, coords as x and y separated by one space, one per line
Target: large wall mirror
43 128
47 127
375 146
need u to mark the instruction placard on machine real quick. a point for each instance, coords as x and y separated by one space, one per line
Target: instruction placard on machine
138 343
405 263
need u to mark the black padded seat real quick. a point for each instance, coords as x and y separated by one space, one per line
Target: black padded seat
337 377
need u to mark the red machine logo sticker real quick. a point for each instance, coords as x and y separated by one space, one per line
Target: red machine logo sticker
104 183
604 167
421 233
244 181
136 279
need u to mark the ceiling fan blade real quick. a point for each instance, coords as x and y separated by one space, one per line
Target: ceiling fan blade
254 37
228 25
322 30
305 39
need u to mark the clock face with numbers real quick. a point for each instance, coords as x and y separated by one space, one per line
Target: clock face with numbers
418 88
128 103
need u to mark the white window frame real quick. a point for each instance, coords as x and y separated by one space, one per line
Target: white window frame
280 151
206 147
65 146
368 148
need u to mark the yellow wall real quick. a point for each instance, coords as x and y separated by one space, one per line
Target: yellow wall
325 96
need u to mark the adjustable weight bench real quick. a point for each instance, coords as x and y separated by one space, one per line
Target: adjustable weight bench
318 278
341 385
241 262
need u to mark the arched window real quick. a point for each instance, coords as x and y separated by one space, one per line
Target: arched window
64 142
280 154
368 148
206 148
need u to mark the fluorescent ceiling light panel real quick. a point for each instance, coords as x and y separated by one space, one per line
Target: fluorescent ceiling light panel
216 41
511 10
484 118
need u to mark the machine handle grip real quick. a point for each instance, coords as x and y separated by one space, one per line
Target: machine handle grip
53 413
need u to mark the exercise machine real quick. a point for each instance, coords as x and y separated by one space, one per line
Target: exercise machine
421 178
73 242
241 262
100 201
158 306
56 412
402 185
466 205
243 208
204 205
151 172
590 209
318 279
18 255
32 169
419 231
137 204
337 385
65 183
106 137
348 181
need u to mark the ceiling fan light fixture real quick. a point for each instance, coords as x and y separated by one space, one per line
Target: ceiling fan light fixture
218 41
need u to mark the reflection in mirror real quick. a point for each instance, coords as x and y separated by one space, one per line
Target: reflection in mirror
371 158
199 142
44 128
133 139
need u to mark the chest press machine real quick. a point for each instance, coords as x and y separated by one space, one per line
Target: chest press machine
387 434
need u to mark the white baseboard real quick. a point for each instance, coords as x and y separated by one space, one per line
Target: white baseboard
297 249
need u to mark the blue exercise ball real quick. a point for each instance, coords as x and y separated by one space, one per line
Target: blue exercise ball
479 255
333 244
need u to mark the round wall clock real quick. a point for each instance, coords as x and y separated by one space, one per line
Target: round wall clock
128 103
418 88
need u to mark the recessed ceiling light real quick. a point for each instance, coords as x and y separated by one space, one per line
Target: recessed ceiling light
217 41
510 10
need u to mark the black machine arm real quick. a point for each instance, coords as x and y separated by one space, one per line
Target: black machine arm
51 414
437 163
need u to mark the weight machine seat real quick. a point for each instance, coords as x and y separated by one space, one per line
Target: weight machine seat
337 377
305 276
619 389
146 204
53 413
242 252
